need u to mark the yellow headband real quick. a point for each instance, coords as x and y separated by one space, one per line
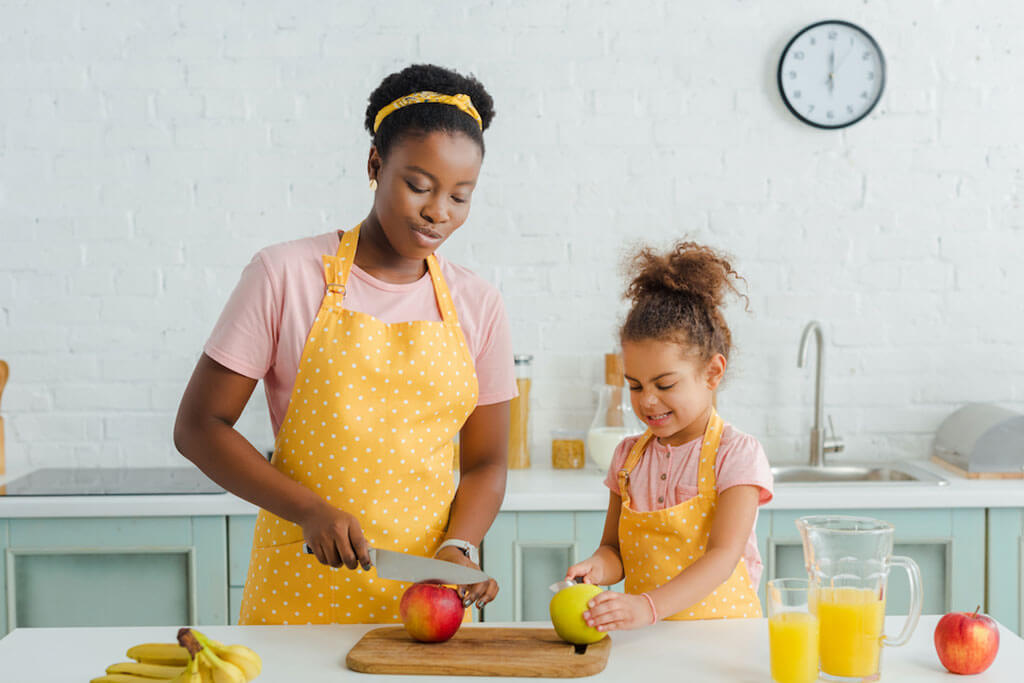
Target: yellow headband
461 101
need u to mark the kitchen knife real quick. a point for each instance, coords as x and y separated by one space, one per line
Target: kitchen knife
413 568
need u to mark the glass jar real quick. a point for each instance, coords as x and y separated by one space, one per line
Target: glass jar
567 449
519 425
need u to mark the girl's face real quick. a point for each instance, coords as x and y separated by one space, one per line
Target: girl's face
424 189
671 393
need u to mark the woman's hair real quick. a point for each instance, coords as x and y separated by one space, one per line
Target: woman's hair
677 296
421 119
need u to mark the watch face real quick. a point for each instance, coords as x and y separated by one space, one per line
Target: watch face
831 74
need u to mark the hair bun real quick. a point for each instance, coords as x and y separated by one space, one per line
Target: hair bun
688 270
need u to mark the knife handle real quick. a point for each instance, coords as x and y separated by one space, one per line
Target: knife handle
372 552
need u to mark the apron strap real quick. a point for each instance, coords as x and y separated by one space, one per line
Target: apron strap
632 459
338 267
706 481
445 304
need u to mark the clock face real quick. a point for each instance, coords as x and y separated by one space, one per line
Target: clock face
831 74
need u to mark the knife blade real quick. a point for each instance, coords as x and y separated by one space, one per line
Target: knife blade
413 568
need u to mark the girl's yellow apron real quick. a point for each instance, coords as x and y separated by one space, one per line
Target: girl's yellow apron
369 428
657 545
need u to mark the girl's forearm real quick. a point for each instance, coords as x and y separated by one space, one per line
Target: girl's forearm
612 561
695 582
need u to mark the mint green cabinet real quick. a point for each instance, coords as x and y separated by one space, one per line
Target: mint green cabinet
1005 570
948 545
528 551
240 533
112 572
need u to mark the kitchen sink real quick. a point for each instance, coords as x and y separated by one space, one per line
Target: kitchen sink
876 473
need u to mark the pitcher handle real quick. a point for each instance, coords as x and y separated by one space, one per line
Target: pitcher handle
916 598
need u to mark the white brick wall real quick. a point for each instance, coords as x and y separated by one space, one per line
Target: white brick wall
148 149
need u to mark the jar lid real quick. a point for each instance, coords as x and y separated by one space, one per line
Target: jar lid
522 358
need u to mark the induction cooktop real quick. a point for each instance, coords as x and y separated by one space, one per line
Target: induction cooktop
110 481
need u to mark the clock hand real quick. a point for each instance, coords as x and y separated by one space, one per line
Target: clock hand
848 51
831 70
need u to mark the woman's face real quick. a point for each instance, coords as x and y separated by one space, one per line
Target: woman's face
670 393
424 188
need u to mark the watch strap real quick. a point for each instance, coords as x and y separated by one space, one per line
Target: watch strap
467 548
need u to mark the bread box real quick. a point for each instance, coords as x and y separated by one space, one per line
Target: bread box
982 440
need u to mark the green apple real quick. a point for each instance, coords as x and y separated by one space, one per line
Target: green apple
567 608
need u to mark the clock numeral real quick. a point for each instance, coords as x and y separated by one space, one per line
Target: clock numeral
810 109
871 75
814 41
866 56
796 94
864 95
792 74
799 54
849 109
832 35
830 115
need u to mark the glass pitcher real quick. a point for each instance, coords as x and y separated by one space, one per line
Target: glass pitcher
848 561
613 421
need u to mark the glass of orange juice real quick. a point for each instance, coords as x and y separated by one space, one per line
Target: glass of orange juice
792 631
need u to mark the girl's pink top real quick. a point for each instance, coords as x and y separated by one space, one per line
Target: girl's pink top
263 327
741 461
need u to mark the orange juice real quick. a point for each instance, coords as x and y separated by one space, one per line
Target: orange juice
793 644
851 621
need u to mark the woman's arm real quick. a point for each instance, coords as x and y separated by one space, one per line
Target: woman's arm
204 433
730 529
483 464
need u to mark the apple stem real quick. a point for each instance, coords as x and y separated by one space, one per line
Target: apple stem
976 611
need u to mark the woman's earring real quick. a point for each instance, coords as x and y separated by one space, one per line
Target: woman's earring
373 184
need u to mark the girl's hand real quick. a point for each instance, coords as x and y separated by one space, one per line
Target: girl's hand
612 611
336 538
592 570
480 593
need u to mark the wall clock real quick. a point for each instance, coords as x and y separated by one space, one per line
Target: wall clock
831 74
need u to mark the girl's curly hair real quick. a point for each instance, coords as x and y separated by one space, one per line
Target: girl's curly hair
677 296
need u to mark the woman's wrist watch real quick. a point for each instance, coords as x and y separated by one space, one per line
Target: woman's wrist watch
467 548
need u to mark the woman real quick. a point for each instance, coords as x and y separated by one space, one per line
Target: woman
375 353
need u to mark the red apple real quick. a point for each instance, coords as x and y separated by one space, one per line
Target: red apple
967 642
431 613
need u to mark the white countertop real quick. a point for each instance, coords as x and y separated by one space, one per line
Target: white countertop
707 651
539 489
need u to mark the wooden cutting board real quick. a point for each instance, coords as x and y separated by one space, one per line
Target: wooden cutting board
976 475
477 651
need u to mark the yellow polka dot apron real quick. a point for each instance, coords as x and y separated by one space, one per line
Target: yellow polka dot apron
369 428
657 545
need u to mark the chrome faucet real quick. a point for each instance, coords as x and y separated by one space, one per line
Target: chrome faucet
820 445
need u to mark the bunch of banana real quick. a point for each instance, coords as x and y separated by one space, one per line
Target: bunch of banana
194 659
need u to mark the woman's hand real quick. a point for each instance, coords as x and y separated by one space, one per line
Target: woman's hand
480 593
610 611
336 537
596 569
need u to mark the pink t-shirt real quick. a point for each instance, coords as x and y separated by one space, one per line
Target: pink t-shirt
741 461
263 327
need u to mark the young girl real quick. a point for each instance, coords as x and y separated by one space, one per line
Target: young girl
684 495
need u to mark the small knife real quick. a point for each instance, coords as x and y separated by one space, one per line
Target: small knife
413 568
